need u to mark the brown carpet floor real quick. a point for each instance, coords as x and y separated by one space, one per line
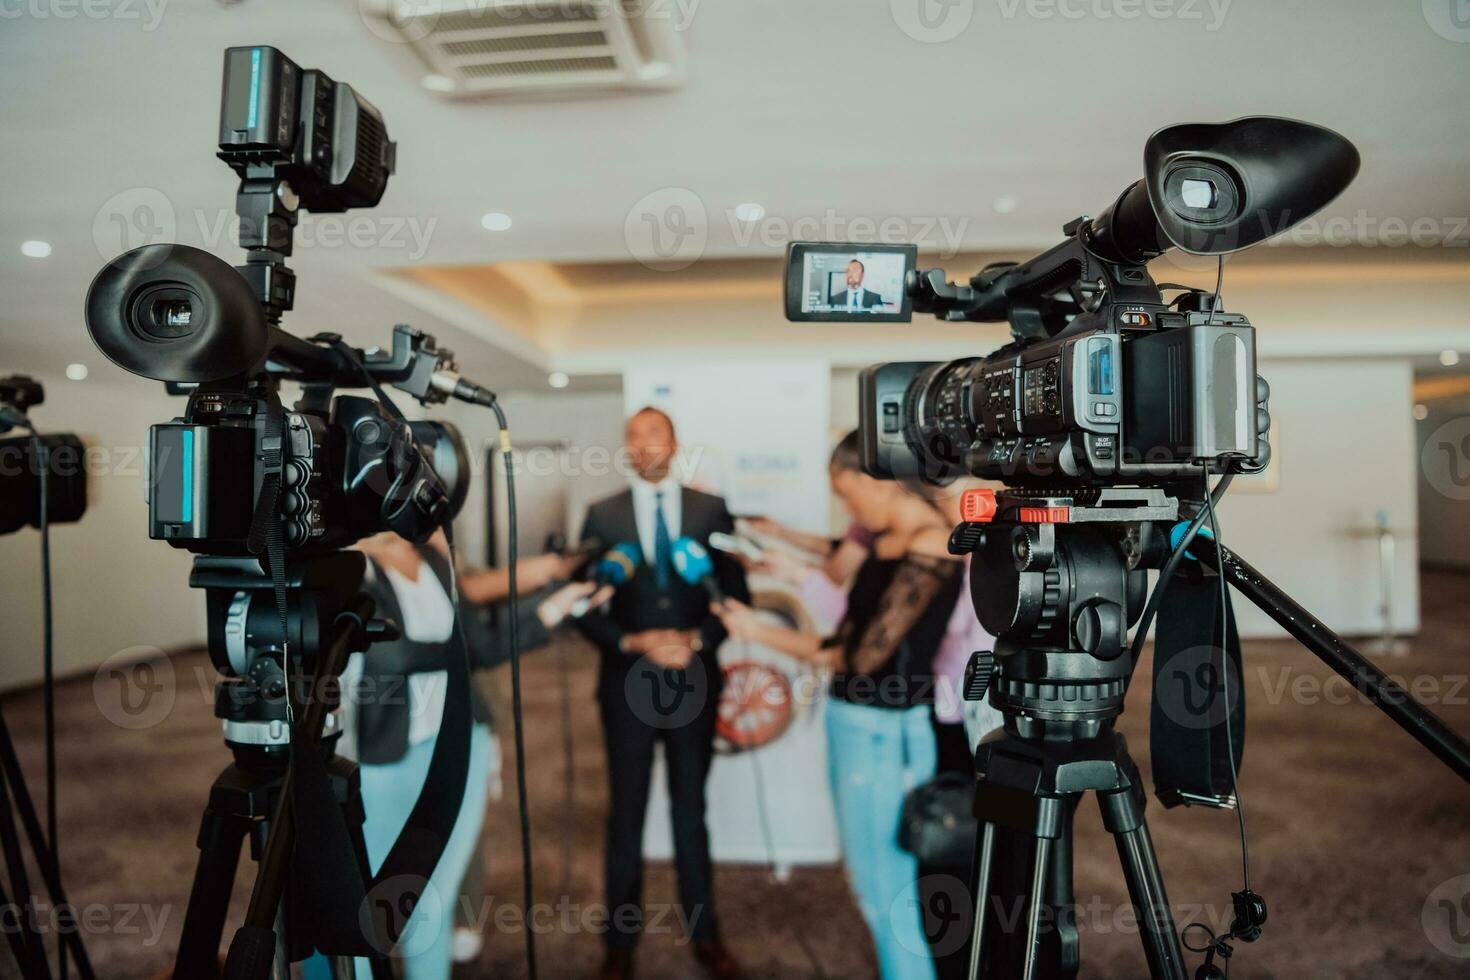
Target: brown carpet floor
1352 826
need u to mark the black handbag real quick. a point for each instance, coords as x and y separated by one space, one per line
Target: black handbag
938 824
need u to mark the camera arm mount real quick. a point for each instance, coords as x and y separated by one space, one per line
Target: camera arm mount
268 208
1041 296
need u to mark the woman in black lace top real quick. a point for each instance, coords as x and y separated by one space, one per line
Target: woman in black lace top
880 742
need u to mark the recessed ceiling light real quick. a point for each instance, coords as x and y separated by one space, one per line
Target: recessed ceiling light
1005 204
1449 358
437 83
749 211
35 249
558 379
76 372
1421 412
496 221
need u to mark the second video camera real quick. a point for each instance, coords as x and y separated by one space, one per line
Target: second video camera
1104 382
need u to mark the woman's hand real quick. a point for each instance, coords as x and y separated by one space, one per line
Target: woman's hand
781 565
739 619
559 605
766 525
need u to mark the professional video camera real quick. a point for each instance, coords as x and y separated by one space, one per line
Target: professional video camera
343 469
1104 381
43 481
265 497
29 462
1104 417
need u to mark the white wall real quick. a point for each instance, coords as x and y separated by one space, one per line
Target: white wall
1345 449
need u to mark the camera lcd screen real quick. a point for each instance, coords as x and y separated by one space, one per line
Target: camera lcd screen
851 282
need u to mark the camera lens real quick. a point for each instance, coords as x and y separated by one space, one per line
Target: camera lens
1201 193
174 314
163 312
1197 193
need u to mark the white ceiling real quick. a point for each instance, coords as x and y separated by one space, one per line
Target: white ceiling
810 107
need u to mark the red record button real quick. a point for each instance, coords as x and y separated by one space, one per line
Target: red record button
1046 515
977 506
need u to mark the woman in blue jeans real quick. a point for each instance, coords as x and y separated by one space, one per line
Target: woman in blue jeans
880 743
393 700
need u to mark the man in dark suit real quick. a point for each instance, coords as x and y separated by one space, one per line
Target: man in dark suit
855 296
660 680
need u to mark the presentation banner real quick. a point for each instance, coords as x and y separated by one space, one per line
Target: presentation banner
758 434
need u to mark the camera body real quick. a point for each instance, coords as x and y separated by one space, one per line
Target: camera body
238 474
22 459
342 474
1131 392
1104 382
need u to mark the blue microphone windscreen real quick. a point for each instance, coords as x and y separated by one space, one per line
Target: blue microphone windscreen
691 561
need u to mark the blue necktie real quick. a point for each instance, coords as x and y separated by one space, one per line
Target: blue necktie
663 546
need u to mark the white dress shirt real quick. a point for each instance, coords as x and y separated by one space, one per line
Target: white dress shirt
645 499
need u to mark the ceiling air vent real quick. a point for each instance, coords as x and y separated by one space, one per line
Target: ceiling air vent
525 47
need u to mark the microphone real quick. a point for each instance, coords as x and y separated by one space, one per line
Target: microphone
614 568
734 544
694 566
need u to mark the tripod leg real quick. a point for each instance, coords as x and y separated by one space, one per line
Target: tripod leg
1123 816
25 938
982 886
24 944
380 967
220 837
1034 906
1061 900
14 782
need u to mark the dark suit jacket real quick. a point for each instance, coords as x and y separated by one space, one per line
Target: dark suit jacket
869 300
640 604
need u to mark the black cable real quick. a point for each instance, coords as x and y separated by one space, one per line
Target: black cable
569 770
528 890
475 394
1219 281
48 665
1156 597
1245 853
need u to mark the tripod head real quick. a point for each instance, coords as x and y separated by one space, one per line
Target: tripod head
1058 579
255 698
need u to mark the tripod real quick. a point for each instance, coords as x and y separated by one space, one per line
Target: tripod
1059 675
326 619
1063 578
25 938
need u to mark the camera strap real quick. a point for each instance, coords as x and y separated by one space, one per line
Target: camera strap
1190 742
266 533
329 881
346 913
